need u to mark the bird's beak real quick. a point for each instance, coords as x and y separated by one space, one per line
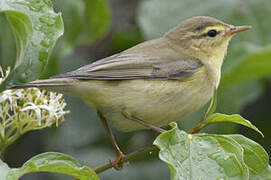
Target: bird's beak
236 29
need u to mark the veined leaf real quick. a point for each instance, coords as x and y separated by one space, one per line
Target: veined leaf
209 157
255 157
235 118
56 163
36 28
263 175
4 169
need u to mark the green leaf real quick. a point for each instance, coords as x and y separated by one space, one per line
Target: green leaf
86 21
235 118
53 162
255 157
212 106
7 44
36 28
209 157
96 21
73 13
264 175
4 169
253 66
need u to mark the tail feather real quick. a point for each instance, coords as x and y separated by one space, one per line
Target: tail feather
54 84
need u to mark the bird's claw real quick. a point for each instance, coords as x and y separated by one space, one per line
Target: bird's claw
117 163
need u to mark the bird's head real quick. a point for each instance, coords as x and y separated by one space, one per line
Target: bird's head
203 37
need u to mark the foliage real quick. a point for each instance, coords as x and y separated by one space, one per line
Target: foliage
85 22
49 162
36 28
236 118
213 157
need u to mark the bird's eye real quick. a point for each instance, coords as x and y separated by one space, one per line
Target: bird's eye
212 33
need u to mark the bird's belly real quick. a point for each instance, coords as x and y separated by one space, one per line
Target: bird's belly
157 102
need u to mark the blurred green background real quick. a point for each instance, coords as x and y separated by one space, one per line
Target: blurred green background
97 28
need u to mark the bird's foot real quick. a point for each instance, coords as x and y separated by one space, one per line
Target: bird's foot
117 163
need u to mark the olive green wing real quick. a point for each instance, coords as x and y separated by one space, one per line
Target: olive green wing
137 66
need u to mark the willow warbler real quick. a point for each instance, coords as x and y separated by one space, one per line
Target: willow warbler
157 81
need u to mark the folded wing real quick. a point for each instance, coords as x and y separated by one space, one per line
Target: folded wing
137 66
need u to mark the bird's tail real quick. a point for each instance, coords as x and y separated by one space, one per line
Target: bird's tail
55 84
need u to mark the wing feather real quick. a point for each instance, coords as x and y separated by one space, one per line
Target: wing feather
135 66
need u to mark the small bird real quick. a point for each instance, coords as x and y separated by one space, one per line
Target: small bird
155 82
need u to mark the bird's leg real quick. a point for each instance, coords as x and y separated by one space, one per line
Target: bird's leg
117 164
144 123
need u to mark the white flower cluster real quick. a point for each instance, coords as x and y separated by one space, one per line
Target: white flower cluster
54 105
23 110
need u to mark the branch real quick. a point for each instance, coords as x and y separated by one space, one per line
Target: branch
126 158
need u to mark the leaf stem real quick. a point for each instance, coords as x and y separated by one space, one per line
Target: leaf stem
198 127
209 112
212 106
